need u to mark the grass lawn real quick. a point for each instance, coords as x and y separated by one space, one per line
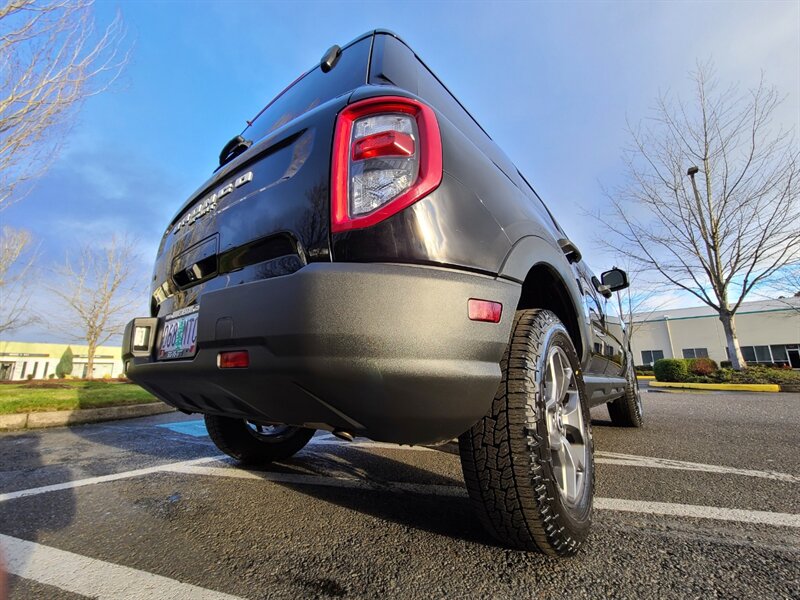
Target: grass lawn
64 394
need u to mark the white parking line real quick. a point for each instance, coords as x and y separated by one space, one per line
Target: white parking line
699 512
193 467
197 428
631 460
68 485
323 480
92 577
603 458
616 504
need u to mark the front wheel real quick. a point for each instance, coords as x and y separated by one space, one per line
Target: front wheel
256 444
627 410
528 463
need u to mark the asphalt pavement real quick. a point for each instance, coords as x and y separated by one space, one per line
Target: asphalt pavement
701 502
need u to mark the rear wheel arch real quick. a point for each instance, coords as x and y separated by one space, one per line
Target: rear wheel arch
548 283
544 288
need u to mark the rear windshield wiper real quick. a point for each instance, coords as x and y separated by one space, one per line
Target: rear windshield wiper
233 149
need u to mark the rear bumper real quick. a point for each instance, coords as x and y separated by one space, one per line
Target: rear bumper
385 351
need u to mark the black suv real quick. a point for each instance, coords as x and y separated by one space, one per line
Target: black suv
367 261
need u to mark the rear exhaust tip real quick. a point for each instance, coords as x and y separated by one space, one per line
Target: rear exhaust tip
343 435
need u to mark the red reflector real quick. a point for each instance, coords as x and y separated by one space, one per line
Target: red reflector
238 359
385 143
485 310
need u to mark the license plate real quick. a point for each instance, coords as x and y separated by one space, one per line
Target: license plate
179 337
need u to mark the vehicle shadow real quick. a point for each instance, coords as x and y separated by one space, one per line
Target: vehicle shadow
140 437
24 466
412 506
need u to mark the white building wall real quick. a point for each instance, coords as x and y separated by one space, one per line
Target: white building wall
19 360
757 324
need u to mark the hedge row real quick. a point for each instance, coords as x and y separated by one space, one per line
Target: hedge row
682 369
704 370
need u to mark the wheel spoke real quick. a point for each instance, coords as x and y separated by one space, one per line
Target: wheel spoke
560 466
551 385
572 411
555 437
558 368
573 467
565 380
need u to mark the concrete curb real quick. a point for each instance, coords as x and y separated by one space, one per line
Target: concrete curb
645 377
59 418
726 387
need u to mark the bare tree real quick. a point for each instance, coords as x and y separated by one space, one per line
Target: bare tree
51 60
788 280
16 262
97 291
785 284
711 205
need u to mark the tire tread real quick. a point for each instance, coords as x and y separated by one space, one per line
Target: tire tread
507 484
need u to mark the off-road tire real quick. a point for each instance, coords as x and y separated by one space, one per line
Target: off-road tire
506 456
626 411
236 439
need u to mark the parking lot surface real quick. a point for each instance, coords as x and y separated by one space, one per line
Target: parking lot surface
701 502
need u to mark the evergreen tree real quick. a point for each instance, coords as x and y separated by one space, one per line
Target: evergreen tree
64 366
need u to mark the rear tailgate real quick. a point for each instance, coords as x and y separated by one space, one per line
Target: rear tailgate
266 213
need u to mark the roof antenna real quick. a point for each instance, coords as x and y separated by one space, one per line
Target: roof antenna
330 58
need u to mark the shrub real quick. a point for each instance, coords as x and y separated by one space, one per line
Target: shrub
64 366
701 366
671 369
51 376
758 374
700 379
726 364
29 377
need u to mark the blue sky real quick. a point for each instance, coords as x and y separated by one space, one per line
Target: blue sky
552 83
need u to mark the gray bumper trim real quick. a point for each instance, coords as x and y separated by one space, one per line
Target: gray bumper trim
383 350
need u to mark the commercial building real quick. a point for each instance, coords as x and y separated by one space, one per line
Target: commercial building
768 331
22 360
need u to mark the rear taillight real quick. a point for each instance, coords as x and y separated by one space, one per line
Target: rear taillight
387 154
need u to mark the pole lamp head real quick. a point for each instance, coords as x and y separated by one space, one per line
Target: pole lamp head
692 171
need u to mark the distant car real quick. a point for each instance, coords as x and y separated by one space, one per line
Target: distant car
367 261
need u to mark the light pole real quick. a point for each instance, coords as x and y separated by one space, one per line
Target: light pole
691 173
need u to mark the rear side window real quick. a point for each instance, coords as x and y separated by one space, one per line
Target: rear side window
312 89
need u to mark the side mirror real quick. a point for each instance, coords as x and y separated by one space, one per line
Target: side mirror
615 280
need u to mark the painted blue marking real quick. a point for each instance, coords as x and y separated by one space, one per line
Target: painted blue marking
194 428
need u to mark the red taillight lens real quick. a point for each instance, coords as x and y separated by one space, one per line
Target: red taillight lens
386 143
387 154
484 310
238 359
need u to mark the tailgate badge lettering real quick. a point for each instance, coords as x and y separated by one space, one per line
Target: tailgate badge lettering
209 204
240 181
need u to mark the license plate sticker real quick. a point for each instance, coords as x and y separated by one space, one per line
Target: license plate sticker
179 337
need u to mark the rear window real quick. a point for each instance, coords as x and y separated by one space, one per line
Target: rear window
312 89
